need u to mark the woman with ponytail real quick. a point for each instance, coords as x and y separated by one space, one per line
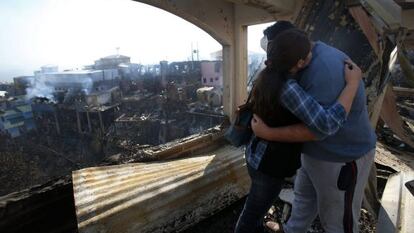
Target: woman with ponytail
268 163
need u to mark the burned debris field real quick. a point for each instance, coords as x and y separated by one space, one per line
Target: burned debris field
59 126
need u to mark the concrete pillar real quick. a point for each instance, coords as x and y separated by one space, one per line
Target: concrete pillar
227 21
228 70
240 60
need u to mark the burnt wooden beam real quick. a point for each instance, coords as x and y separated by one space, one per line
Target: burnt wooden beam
47 208
404 92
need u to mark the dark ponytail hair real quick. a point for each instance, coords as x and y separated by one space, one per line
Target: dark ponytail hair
283 54
266 93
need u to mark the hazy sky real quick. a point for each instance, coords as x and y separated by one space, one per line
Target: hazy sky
72 33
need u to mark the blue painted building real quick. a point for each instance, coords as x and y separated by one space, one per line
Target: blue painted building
16 118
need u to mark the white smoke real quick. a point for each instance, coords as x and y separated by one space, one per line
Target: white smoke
46 86
87 85
40 88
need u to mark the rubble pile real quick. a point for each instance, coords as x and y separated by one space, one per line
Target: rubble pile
53 126
28 164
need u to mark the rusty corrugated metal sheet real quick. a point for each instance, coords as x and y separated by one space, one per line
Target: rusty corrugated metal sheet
158 196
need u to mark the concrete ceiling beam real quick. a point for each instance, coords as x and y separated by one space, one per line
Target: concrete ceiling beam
227 21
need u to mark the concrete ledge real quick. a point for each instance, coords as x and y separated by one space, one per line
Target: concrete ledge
396 213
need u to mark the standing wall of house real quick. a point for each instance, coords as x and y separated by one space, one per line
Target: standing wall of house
212 73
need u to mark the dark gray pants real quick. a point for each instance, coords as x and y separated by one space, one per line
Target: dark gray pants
332 190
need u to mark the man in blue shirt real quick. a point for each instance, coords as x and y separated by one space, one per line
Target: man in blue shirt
335 167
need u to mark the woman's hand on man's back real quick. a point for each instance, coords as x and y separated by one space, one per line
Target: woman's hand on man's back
260 129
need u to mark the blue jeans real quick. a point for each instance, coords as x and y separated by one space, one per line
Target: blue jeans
263 192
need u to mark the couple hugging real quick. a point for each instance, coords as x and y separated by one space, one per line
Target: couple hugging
310 119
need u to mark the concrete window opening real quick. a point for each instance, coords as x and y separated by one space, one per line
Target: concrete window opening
256 55
91 86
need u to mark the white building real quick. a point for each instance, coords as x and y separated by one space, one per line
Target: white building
111 62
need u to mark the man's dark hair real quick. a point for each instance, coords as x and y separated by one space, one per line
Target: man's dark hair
287 49
272 31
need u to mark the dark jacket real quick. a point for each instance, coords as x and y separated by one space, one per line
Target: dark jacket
280 159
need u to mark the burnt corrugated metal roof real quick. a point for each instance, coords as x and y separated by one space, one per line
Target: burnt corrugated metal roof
158 196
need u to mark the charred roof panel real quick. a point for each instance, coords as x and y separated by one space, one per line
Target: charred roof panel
159 196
